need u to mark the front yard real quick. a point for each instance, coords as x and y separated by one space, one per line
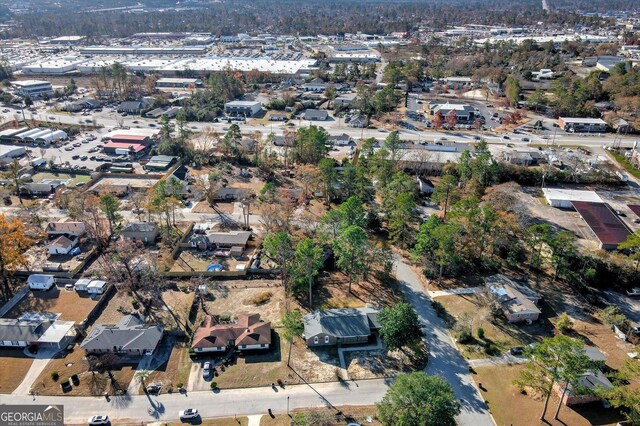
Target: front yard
14 365
175 372
499 335
510 407
90 383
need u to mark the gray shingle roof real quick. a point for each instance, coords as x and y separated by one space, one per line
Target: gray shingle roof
348 322
129 335
26 331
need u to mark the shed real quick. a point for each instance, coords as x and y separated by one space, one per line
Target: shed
97 287
82 284
40 281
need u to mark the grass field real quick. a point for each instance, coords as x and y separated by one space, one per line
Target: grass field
175 371
510 407
624 162
14 365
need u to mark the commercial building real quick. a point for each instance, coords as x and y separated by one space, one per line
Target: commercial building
179 83
316 115
464 113
8 153
564 198
604 223
143 50
582 125
242 108
32 88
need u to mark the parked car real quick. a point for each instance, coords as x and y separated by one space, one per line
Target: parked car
189 413
77 144
68 148
206 369
517 350
75 157
99 420
83 157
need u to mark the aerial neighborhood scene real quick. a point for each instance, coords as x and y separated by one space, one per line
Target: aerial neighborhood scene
350 212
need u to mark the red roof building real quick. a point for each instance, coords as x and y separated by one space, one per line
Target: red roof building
248 333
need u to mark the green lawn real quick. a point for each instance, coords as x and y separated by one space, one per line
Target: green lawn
75 178
624 162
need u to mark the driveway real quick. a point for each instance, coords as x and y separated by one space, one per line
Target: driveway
39 363
444 358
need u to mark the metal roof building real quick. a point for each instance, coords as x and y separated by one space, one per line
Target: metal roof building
604 223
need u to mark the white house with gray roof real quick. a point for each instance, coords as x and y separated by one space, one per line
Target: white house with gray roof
340 326
131 336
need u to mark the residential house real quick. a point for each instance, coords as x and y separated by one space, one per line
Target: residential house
340 140
424 185
523 158
235 241
147 232
588 383
42 330
247 333
316 85
39 189
358 121
131 336
518 302
228 193
62 245
340 326
40 281
316 115
278 116
67 229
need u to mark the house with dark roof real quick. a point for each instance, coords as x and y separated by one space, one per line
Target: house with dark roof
36 329
247 333
147 232
68 229
316 115
346 326
131 336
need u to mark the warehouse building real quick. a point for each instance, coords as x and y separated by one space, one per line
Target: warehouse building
8 153
582 125
564 198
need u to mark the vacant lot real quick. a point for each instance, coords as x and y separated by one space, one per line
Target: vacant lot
14 365
510 407
71 305
499 334
175 371
231 297
91 383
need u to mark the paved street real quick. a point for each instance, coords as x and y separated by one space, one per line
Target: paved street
444 359
226 403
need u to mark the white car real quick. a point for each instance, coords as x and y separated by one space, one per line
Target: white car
206 369
189 413
99 420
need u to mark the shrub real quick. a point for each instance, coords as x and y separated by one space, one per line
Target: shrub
480 333
55 376
464 336
225 317
214 385
438 307
179 385
134 303
261 298
564 323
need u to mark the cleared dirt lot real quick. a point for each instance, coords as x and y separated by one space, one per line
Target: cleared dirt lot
14 365
231 297
384 363
175 371
71 305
